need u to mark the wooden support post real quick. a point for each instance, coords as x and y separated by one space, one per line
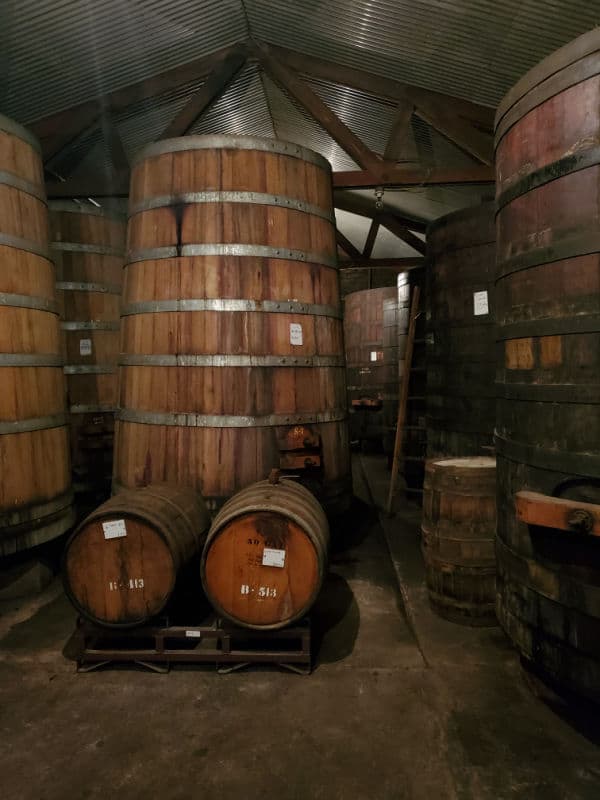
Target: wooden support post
403 402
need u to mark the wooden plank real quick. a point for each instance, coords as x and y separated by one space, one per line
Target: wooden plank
402 232
56 129
210 91
401 176
397 139
321 112
479 144
557 512
403 401
347 245
371 237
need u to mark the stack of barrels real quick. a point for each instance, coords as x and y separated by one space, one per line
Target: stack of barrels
35 490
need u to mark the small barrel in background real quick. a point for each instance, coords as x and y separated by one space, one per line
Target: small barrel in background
88 248
265 556
548 314
461 341
396 312
35 485
459 528
121 563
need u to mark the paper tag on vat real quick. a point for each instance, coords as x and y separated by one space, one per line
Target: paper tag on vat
114 529
480 303
273 558
85 347
295 333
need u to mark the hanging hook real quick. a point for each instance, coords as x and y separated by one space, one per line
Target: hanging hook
379 191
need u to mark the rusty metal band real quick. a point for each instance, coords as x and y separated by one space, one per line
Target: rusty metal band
249 198
551 326
24 244
31 360
581 70
93 249
89 326
569 247
70 207
27 301
226 304
574 162
569 463
27 187
233 249
79 286
36 512
552 393
225 421
130 360
89 369
188 143
98 408
10 126
33 424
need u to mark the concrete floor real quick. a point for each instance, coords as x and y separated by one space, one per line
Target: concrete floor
400 705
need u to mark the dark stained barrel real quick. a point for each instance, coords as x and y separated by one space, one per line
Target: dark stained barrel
88 249
548 314
231 321
121 564
36 501
459 528
461 341
265 556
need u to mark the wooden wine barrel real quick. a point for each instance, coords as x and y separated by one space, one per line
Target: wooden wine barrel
265 556
459 529
121 563
461 336
88 249
548 314
396 312
415 441
231 325
35 485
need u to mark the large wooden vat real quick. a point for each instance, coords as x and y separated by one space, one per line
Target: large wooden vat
461 337
459 528
395 328
414 441
88 248
35 484
231 326
548 314
265 556
120 565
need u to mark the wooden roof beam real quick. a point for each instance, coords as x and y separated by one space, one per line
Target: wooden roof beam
371 237
363 207
399 264
210 91
347 245
398 229
398 176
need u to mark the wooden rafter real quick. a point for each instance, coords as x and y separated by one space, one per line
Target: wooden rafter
397 264
347 246
395 176
114 143
397 139
371 237
364 207
402 232
210 91
319 110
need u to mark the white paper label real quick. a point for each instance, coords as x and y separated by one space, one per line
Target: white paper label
114 529
373 355
295 333
193 634
85 347
273 558
480 303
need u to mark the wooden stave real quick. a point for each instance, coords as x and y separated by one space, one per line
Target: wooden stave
202 264
461 583
461 353
295 503
178 515
46 512
543 374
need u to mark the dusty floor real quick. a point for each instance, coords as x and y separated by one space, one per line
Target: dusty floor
400 705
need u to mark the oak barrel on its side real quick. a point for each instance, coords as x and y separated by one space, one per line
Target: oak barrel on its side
265 556
459 528
548 314
35 485
88 248
121 563
461 341
231 325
